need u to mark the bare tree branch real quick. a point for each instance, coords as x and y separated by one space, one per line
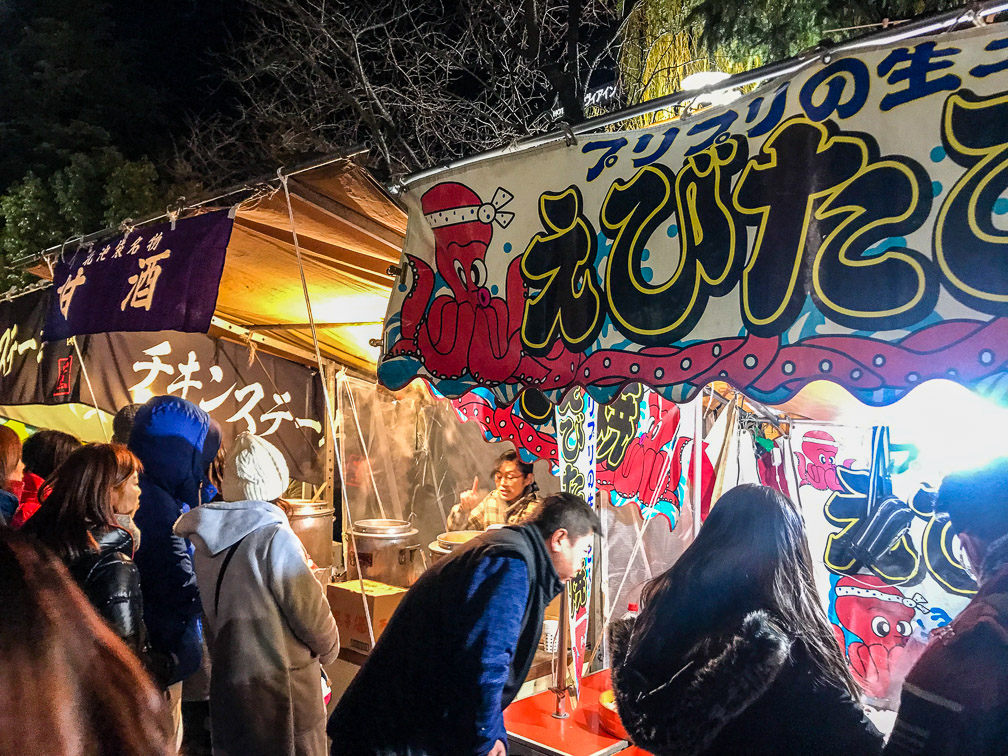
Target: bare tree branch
417 81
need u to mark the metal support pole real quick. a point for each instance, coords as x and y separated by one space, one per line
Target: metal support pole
697 462
560 663
331 493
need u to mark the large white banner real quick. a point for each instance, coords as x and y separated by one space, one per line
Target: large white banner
845 223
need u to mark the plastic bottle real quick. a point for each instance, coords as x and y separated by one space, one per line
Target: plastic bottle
632 611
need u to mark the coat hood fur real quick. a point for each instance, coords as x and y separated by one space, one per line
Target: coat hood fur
716 681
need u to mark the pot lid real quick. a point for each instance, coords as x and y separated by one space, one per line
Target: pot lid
381 526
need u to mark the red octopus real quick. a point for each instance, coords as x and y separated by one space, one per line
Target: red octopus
880 616
469 330
817 466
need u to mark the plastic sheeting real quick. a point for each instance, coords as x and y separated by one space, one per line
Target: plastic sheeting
407 456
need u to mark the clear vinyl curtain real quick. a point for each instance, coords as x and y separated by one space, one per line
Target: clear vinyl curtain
407 456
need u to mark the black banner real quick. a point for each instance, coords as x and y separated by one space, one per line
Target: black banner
33 372
279 400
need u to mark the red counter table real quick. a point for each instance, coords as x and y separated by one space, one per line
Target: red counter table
532 729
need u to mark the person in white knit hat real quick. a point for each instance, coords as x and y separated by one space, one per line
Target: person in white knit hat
269 627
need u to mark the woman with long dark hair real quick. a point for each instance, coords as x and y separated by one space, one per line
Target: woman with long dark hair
86 520
68 686
42 453
732 652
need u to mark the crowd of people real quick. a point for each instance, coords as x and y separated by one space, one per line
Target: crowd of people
121 562
109 553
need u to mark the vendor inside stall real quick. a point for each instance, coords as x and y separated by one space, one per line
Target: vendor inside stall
513 499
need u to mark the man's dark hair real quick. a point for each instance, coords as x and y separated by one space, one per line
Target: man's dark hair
977 500
122 423
567 511
46 450
512 456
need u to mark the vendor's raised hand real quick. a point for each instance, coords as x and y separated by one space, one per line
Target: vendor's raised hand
498 749
470 498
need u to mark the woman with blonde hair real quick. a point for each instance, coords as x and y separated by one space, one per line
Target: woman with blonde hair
68 685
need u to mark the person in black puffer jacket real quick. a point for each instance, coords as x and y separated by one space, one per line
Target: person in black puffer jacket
732 652
86 520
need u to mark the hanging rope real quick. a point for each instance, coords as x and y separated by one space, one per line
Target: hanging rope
325 394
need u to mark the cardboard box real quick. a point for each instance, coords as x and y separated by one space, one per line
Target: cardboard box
348 610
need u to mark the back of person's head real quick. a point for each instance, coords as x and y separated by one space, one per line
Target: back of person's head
79 497
10 454
122 423
216 472
68 685
568 512
46 450
977 500
254 470
751 554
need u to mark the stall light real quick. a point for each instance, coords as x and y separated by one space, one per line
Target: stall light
702 79
954 430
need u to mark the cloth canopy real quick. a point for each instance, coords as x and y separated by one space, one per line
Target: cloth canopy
349 230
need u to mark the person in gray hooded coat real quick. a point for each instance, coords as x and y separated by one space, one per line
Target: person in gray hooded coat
269 627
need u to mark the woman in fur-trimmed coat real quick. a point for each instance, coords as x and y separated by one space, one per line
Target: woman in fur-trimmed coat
732 652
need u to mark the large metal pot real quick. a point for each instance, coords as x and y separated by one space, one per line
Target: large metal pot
388 551
312 521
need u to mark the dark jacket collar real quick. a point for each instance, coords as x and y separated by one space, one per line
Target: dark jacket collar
113 539
548 580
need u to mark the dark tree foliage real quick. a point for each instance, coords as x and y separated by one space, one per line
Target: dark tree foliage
776 29
76 124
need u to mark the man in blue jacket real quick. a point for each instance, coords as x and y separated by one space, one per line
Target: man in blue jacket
176 441
462 640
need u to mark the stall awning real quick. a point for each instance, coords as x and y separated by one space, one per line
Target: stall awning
349 231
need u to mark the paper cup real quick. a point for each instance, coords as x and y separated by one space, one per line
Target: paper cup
551 631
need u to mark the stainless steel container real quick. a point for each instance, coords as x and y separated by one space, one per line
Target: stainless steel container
312 521
388 551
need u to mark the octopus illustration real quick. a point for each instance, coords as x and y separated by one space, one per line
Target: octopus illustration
649 471
817 466
469 330
880 616
504 424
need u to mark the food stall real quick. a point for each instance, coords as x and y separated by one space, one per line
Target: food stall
840 225
207 302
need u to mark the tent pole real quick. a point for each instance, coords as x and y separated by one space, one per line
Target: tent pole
329 376
697 461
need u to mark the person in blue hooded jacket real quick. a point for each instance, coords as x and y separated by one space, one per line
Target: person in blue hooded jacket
176 441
